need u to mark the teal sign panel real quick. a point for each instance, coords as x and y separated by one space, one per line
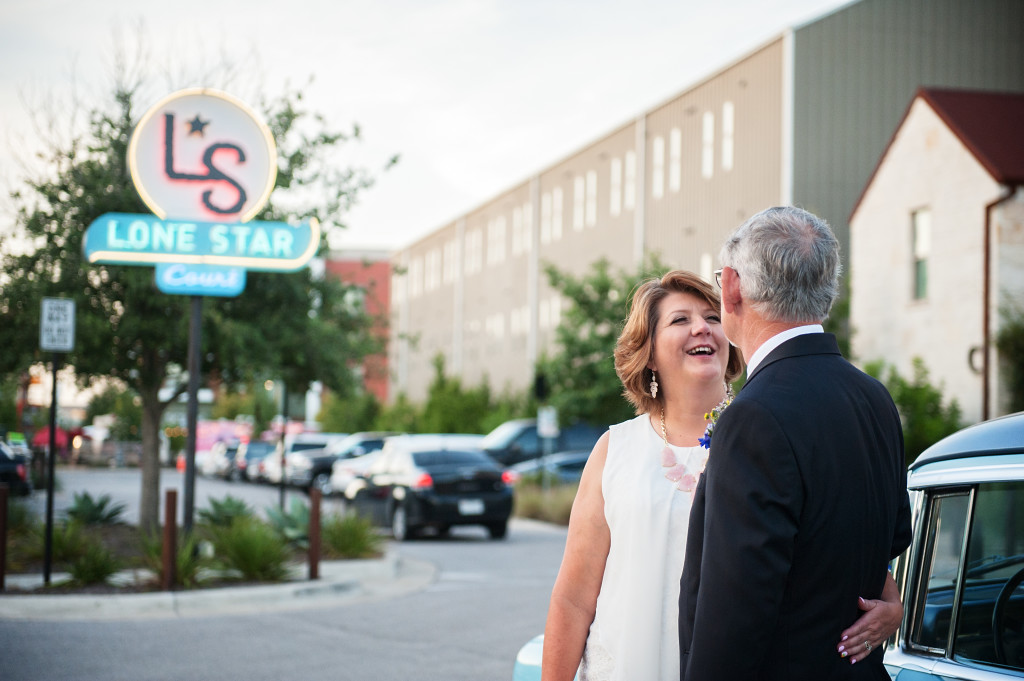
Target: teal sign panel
200 280
135 239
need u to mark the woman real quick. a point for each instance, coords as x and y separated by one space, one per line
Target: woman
614 607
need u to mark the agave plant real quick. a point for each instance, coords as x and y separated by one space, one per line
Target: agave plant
223 512
292 525
89 511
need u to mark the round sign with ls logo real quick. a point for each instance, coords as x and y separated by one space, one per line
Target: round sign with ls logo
200 154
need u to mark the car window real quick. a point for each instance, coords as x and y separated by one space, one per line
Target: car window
448 457
528 441
995 556
940 563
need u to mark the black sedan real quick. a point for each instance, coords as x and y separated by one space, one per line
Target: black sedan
14 471
417 483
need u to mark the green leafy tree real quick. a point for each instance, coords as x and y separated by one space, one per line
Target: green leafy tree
1010 343
924 418
126 407
256 404
298 326
450 408
400 416
581 371
349 415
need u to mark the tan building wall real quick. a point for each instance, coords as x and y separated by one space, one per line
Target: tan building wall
673 183
927 168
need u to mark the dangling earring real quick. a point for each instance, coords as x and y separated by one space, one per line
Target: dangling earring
654 385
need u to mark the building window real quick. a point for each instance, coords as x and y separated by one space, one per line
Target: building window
921 227
728 125
707 157
517 230
675 167
578 192
545 218
615 187
658 167
629 193
474 244
450 266
527 227
415 277
556 214
432 275
591 198
496 240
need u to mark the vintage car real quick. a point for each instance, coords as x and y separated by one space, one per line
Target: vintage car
961 578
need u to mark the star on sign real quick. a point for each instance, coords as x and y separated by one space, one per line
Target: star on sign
196 126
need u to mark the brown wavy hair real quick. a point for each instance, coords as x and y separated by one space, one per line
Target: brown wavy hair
635 346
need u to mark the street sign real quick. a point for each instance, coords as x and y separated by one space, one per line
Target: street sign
204 155
200 280
57 325
136 239
547 422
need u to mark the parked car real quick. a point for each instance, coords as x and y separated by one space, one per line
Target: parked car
293 444
14 471
961 579
563 467
515 441
312 468
249 456
222 460
432 481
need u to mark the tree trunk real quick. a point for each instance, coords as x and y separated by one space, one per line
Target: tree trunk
149 504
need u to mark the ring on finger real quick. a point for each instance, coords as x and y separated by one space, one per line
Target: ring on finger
867 644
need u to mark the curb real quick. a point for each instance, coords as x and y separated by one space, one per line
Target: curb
341 582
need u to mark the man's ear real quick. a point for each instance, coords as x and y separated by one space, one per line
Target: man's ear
731 295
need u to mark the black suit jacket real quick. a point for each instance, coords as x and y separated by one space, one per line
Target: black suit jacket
801 507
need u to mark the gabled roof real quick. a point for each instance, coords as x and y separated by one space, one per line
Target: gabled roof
990 124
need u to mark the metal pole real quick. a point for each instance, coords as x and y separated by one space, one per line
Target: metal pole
284 432
314 532
3 535
48 544
194 348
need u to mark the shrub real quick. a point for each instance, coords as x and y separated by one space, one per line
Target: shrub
253 548
925 421
293 524
94 566
91 511
349 536
188 560
1010 343
69 541
21 521
225 511
553 505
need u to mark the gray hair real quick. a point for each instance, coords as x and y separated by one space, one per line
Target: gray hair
788 263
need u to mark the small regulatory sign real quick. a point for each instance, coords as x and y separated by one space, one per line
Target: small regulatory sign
57 325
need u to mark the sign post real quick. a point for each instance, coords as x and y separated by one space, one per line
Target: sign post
56 335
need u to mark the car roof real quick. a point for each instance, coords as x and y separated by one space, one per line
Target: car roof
1003 435
422 442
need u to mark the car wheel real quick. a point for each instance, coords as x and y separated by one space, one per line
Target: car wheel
399 524
322 482
498 530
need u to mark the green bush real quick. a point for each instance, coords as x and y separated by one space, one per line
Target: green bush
95 565
349 536
223 512
20 519
925 420
553 505
1010 343
91 511
293 524
188 560
252 548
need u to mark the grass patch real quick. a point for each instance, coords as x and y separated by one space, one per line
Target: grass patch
252 548
189 562
95 565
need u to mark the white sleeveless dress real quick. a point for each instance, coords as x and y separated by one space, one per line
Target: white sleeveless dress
634 636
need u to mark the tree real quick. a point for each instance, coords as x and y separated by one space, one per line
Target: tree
349 415
124 405
297 326
581 372
452 409
924 418
1010 343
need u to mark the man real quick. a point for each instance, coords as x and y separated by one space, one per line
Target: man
803 502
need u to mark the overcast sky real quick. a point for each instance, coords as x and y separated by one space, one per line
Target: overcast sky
475 95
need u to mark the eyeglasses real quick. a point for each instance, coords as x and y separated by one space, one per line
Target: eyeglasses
718 277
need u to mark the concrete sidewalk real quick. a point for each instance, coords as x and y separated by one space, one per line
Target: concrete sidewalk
341 582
